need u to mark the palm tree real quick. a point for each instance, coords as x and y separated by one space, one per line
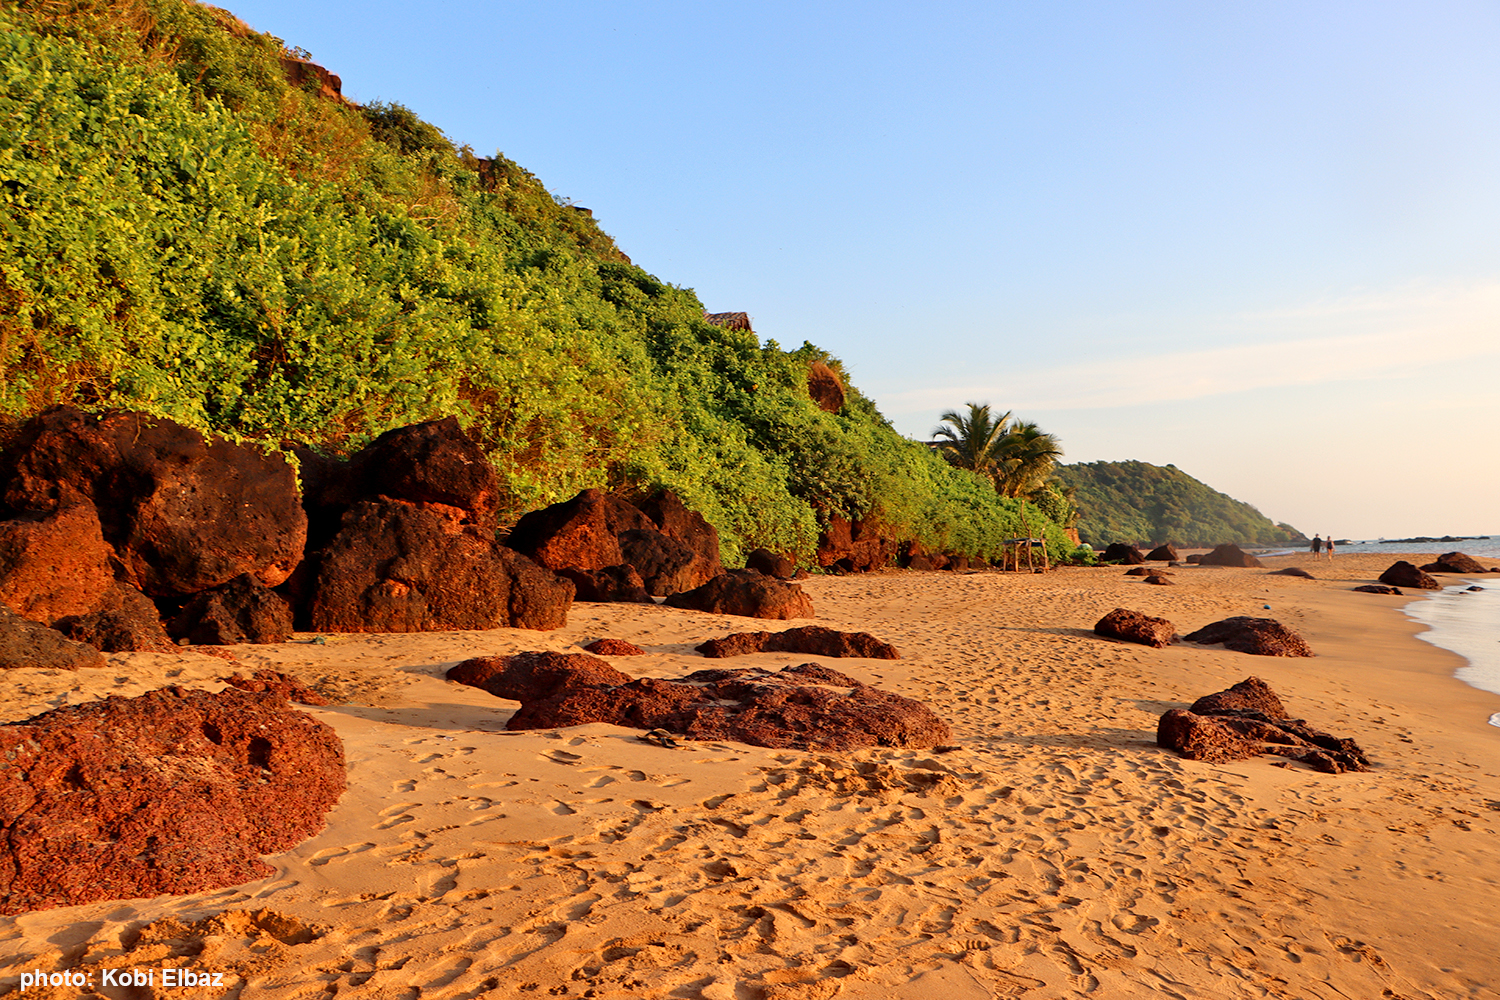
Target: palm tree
1024 458
970 442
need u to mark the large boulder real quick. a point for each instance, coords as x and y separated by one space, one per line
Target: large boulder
612 584
672 548
1163 553
538 598
1403 574
664 564
28 644
240 611
432 462
581 533
770 563
688 528
1247 720
1454 562
807 707
54 564
1229 554
183 512
747 593
1132 626
397 566
1258 636
125 621
814 640
171 792
1123 554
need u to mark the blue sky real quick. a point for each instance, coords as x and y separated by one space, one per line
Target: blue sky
1261 242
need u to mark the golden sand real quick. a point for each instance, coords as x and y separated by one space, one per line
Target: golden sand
1058 852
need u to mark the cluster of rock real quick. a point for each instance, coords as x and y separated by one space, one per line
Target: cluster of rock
128 532
1257 636
174 791
1159 577
806 707
1247 720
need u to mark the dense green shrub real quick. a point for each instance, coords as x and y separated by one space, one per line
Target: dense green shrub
187 235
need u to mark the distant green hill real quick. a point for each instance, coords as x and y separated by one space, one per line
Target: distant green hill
194 224
1140 502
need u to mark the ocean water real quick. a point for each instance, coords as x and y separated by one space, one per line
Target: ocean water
1486 550
1468 623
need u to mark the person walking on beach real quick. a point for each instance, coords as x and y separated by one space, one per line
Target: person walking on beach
1330 546
1317 546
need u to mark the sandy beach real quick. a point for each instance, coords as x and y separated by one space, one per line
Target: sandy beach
1055 851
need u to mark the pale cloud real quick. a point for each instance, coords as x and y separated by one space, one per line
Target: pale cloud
1383 335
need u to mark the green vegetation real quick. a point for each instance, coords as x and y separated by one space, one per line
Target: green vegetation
186 234
1138 502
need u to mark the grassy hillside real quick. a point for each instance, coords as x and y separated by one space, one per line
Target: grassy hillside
1138 502
187 234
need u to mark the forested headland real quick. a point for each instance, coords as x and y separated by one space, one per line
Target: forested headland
1140 502
197 226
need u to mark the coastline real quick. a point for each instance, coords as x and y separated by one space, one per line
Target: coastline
1057 853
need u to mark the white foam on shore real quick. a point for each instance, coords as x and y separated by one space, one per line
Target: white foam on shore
1466 622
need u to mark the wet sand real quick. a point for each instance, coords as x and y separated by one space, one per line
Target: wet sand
1057 852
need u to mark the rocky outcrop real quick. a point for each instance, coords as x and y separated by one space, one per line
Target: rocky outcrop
240 611
746 593
1229 554
126 621
1122 554
1162 553
398 566
184 513
1132 626
1403 574
28 644
825 387
614 647
813 640
172 792
433 462
1160 580
1248 720
807 707
1454 562
54 564
1378 588
1293 571
770 564
1257 636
